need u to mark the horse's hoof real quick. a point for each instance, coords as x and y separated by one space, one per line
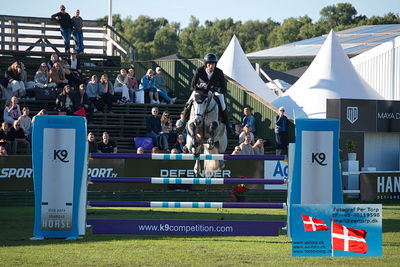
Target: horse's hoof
210 143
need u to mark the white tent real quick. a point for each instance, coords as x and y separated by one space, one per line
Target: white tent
235 64
331 75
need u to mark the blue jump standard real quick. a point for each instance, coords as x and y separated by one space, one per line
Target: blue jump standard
171 204
184 156
186 227
166 180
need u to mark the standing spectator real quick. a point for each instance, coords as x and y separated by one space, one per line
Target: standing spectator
57 76
42 77
5 138
237 151
17 136
180 144
133 84
64 102
75 66
77 25
160 85
106 92
258 147
246 132
147 84
121 85
53 59
140 150
14 76
281 131
92 143
65 26
3 151
106 145
153 126
249 119
246 146
26 122
93 92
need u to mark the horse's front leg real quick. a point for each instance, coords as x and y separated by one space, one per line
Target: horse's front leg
212 128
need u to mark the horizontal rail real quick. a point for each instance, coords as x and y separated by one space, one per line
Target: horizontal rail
165 204
351 191
165 180
184 156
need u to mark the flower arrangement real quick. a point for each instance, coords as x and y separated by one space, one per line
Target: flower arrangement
239 190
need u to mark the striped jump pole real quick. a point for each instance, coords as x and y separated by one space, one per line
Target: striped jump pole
165 204
164 180
184 156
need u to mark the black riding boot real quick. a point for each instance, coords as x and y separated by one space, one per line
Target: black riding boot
225 120
186 116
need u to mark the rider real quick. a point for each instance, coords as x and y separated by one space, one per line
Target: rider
209 77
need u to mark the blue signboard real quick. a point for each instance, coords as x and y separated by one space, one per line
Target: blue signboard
59 160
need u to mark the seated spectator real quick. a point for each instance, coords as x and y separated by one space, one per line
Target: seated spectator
12 110
17 136
42 77
155 150
106 145
26 122
180 144
92 143
133 86
3 151
5 138
121 85
160 85
73 81
180 125
246 132
140 150
106 92
153 126
53 59
93 92
64 101
246 147
14 76
147 84
174 151
75 66
80 100
7 114
166 128
258 147
249 119
29 85
57 76
237 151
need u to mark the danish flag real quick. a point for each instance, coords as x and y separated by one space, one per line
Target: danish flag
313 224
348 239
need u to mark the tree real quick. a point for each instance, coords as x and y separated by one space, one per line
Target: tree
340 14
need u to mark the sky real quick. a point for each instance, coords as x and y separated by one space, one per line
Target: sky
181 10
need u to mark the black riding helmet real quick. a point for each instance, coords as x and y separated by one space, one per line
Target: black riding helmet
210 58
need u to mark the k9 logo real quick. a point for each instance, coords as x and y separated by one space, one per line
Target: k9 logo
318 158
61 154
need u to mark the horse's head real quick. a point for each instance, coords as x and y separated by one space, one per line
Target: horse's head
201 101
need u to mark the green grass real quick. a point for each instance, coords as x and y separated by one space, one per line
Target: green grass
16 249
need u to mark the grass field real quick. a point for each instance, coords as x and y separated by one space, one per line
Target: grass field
16 249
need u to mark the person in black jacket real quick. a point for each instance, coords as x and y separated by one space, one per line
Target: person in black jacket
65 26
210 78
64 101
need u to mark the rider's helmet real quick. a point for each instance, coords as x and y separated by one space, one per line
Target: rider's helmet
210 58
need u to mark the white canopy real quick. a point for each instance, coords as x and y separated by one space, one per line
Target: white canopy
235 64
331 75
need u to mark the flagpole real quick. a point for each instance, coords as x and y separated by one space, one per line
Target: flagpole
331 237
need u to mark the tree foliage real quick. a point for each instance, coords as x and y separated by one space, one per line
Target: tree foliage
157 37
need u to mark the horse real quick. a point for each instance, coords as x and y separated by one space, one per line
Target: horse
206 133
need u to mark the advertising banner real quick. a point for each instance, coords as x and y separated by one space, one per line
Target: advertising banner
336 230
275 169
380 186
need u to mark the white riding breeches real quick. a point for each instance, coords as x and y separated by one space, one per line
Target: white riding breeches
220 98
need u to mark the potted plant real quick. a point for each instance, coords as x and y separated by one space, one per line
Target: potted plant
351 149
238 192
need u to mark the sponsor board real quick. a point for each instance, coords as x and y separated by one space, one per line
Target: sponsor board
380 186
275 169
